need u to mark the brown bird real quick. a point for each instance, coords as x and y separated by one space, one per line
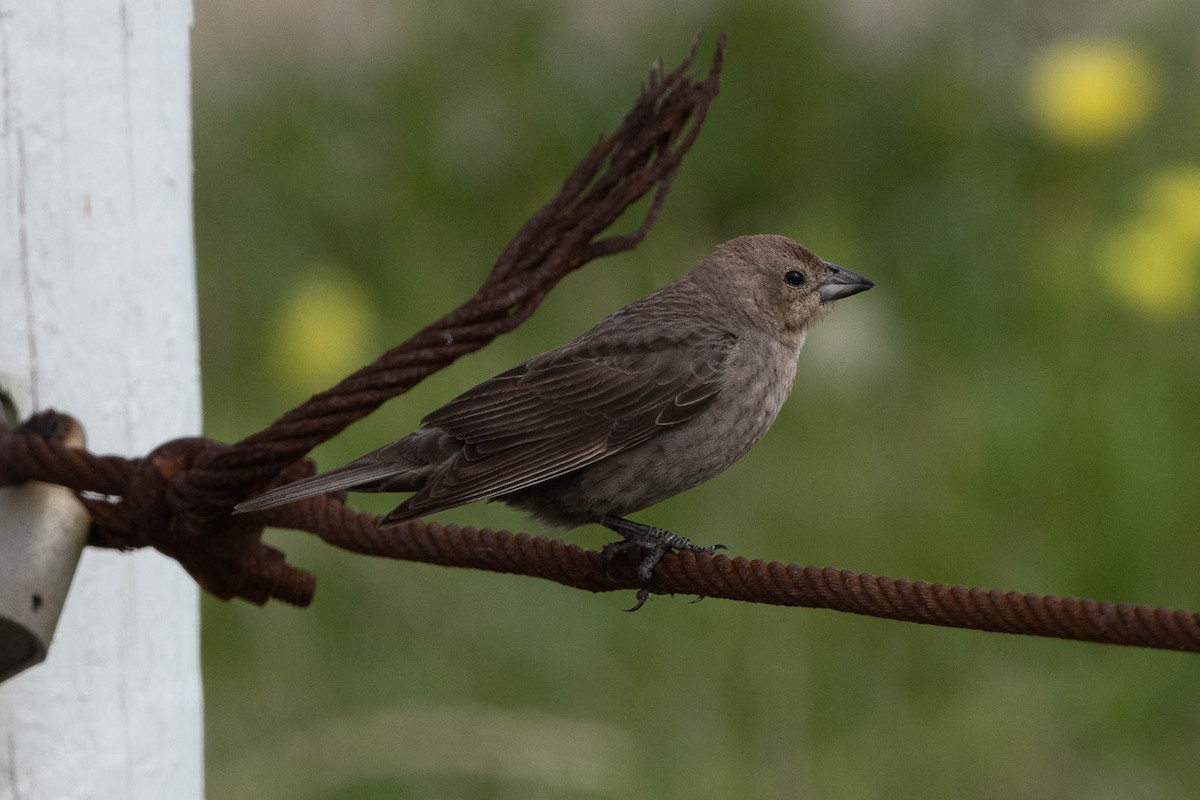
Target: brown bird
655 399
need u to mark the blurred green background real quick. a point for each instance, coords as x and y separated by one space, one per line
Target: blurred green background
1014 406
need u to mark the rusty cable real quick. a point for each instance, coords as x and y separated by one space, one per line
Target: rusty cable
644 153
748 580
178 497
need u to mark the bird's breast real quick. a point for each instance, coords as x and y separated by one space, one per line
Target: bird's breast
760 378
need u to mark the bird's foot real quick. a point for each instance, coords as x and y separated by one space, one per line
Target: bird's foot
654 543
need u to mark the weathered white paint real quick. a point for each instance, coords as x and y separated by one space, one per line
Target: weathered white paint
98 318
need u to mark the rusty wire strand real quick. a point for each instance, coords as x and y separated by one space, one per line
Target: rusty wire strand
747 580
717 576
644 153
177 498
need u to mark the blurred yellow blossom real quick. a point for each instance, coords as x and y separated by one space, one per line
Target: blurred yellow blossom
1153 261
323 330
1174 194
1089 92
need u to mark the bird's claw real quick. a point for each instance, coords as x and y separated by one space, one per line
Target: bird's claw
610 551
643 595
654 543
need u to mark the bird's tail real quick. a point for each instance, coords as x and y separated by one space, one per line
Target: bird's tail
361 473
402 466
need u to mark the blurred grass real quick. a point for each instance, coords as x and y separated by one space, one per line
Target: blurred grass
999 411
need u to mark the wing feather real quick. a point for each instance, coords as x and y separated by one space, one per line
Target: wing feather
569 408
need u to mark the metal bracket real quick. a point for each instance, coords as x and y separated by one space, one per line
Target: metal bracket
43 529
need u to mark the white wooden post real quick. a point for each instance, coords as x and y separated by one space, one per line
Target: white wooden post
98 319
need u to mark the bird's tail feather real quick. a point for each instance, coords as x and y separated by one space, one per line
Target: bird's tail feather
353 475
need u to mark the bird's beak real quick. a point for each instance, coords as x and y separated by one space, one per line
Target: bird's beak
842 283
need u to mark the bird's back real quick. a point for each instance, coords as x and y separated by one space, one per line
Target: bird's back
756 377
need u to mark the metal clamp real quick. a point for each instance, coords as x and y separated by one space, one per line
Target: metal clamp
43 528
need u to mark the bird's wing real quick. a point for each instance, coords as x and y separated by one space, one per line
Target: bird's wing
568 408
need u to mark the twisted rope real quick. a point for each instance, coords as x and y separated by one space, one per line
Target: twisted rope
178 497
644 153
752 581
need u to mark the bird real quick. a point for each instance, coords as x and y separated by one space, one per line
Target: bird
657 398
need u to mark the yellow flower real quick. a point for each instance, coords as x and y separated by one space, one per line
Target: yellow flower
323 330
1174 195
1089 92
1152 262
1153 269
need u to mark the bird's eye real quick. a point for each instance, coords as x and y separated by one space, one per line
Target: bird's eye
793 277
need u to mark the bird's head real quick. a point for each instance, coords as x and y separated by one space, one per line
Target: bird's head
778 283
